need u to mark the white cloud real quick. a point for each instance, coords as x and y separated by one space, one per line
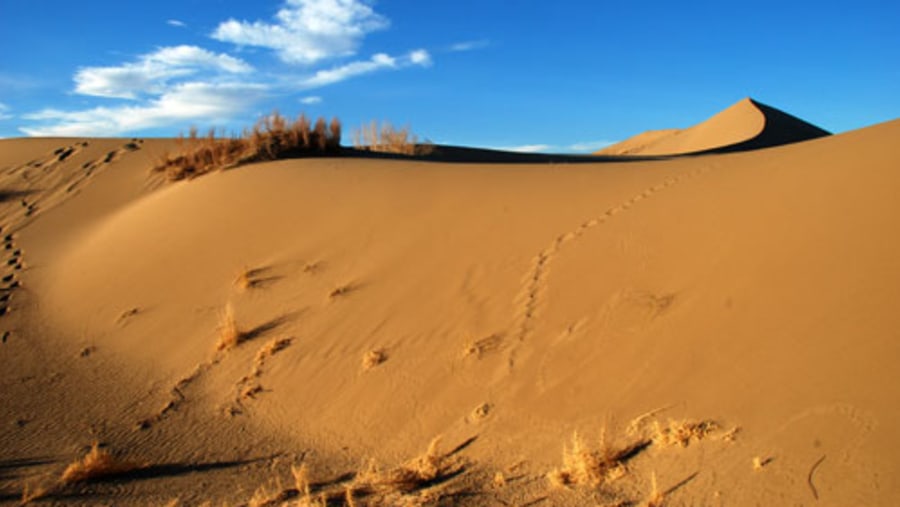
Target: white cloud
151 72
4 112
470 45
379 61
420 57
174 85
525 148
307 31
587 147
183 102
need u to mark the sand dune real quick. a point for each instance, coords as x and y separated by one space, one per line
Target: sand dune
746 125
726 321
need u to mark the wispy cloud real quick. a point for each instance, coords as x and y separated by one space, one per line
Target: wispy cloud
586 147
174 85
151 73
470 45
420 57
307 31
589 146
4 112
524 148
183 102
176 22
379 61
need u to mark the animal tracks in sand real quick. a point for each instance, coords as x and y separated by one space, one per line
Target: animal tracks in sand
530 297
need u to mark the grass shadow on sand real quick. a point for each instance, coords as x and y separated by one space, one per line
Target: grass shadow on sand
9 195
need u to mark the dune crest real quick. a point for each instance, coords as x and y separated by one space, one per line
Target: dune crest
745 125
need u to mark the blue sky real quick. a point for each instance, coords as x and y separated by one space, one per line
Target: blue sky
553 76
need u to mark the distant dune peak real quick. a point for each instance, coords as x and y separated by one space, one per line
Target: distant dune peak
745 125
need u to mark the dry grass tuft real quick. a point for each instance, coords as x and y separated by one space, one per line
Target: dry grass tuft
592 468
418 482
682 433
272 347
272 137
230 335
31 493
482 346
301 478
657 497
95 464
387 139
244 280
421 472
373 358
759 462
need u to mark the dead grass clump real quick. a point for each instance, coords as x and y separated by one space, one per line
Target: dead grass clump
387 139
480 347
418 482
272 137
95 464
230 336
421 472
244 280
592 468
32 492
682 433
373 358
272 347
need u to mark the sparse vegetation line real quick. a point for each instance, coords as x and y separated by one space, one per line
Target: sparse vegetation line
387 139
274 137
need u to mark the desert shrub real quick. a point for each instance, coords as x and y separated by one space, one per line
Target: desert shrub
388 139
272 137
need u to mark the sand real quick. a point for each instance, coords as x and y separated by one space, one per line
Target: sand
724 325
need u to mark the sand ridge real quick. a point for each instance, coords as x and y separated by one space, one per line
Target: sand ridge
745 125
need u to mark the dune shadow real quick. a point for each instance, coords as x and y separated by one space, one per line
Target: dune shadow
465 155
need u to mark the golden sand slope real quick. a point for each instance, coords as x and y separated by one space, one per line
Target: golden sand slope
746 125
728 319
